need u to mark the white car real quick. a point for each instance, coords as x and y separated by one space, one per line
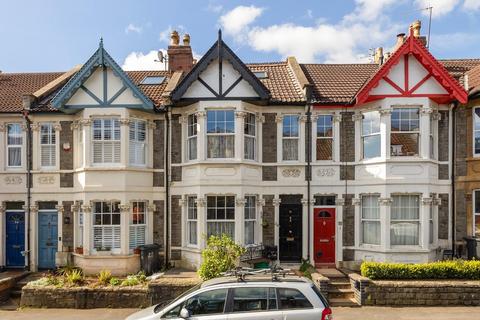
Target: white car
254 297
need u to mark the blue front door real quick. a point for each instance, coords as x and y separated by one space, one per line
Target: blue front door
15 238
47 239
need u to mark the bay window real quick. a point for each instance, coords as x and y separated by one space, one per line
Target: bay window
192 216
106 225
405 131
250 136
325 137
370 219
138 224
47 145
476 213
371 140
137 142
221 216
106 140
220 134
476 131
290 137
250 219
433 124
405 220
14 145
192 137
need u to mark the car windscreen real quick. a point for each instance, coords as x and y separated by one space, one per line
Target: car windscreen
320 295
161 306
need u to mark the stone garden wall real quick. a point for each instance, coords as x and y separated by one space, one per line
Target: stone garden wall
160 291
6 286
415 292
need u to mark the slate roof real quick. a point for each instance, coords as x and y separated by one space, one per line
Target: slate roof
14 85
281 81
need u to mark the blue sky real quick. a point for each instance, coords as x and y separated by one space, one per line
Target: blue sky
55 35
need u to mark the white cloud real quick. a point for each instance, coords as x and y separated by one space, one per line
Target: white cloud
133 28
216 8
368 10
440 7
143 61
472 4
164 35
236 21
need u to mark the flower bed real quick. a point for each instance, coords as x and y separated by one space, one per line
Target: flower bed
455 269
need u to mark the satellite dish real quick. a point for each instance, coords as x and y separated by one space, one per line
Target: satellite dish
160 55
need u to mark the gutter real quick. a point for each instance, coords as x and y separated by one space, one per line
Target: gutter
308 93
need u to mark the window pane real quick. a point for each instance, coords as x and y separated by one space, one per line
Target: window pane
324 149
404 233
371 146
221 146
250 299
370 207
324 126
371 232
14 156
192 148
249 148
210 302
290 149
404 144
293 299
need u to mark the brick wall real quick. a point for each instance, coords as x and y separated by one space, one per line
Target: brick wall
158 144
443 136
347 146
66 180
66 136
460 214
176 222
269 138
158 179
443 216
67 229
461 141
443 172
159 222
176 173
348 222
268 218
176 139
269 173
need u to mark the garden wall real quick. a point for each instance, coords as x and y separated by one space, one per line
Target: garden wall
415 292
6 286
160 291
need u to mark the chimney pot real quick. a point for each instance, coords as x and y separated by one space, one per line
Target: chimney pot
416 26
174 39
378 59
186 39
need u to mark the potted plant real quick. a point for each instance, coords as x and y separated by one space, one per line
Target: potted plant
136 250
79 250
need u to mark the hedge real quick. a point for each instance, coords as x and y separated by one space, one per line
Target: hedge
452 269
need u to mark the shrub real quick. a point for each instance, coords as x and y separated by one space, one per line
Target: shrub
220 255
452 269
64 271
114 281
104 277
130 281
74 278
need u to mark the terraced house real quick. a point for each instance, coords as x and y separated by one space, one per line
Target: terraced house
330 163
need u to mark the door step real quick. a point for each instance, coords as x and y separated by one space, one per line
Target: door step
336 293
342 302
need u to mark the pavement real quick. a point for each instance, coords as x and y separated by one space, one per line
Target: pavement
363 313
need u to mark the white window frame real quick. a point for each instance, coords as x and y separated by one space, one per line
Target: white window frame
249 219
250 137
290 136
14 146
51 145
102 141
80 150
432 137
136 143
476 211
192 136
371 134
417 132
475 131
317 137
137 229
192 220
220 134
416 221
216 220
115 228
81 225
377 220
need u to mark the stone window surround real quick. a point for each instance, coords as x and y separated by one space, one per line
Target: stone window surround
427 112
337 118
83 129
240 113
201 201
474 210
473 133
385 202
125 215
4 145
36 147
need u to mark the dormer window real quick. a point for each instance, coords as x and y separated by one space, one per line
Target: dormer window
152 80
260 74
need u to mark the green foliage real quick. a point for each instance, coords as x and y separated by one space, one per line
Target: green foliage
452 269
114 281
74 278
220 255
104 277
134 280
64 271
306 266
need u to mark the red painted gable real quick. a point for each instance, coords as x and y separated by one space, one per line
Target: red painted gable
413 46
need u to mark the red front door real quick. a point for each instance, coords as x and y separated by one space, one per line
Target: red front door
324 235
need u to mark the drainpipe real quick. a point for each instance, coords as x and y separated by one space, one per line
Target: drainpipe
452 175
27 101
308 93
167 187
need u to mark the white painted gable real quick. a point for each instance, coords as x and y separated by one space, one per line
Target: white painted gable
416 74
95 85
229 78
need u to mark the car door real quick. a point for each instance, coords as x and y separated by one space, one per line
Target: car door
207 305
259 303
295 306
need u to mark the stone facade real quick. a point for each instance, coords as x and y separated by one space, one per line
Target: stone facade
66 137
443 172
347 137
158 179
269 138
176 138
443 136
348 221
67 226
159 223
267 221
443 222
176 173
158 146
176 222
269 173
66 180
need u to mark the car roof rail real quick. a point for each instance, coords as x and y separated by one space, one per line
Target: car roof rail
241 273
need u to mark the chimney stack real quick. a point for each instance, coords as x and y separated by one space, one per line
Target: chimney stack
378 59
400 40
180 56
